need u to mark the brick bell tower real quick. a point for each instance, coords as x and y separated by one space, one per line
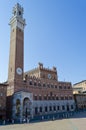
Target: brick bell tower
16 57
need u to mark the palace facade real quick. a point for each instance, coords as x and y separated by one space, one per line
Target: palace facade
38 91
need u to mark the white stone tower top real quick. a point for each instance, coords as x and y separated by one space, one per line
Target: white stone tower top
18 10
17 19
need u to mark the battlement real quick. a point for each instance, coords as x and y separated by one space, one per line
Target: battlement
40 66
41 72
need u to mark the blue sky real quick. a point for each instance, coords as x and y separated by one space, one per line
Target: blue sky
55 35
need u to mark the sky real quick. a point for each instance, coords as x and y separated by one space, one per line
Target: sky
55 35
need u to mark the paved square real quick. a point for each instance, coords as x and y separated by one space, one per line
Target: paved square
64 124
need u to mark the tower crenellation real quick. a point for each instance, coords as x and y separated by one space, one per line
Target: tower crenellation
17 19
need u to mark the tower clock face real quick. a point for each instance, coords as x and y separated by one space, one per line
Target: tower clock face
49 76
19 71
